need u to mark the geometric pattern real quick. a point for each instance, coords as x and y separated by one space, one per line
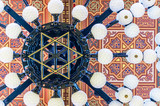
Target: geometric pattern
54 70
115 71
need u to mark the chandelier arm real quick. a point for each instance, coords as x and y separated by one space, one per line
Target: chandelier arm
25 2
95 55
115 88
100 92
17 91
87 2
97 20
2 87
21 35
75 88
16 55
114 54
37 89
36 22
57 93
120 55
112 23
2 25
18 18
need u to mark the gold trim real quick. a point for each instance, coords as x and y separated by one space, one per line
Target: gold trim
41 49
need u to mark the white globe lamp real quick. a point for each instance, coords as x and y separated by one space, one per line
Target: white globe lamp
1 6
149 103
137 10
13 30
115 103
124 17
154 12
150 56
158 66
56 102
99 31
147 3
80 12
116 93
105 56
124 95
157 50
136 101
31 99
131 81
30 13
2 103
134 56
55 6
6 54
157 39
155 94
98 80
79 98
116 5
132 30
12 80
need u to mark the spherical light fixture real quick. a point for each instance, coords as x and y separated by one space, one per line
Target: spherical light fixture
125 17
115 103
136 101
12 80
132 30
80 12
55 6
134 56
157 39
149 103
2 103
38 70
31 99
98 80
131 81
147 3
6 54
30 13
137 10
154 12
56 102
155 94
157 50
99 31
105 56
116 5
150 56
79 98
1 6
13 30
158 66
116 93
124 95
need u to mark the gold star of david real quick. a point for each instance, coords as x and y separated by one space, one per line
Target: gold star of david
44 46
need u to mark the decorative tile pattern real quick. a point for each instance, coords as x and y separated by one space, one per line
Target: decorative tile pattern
116 41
